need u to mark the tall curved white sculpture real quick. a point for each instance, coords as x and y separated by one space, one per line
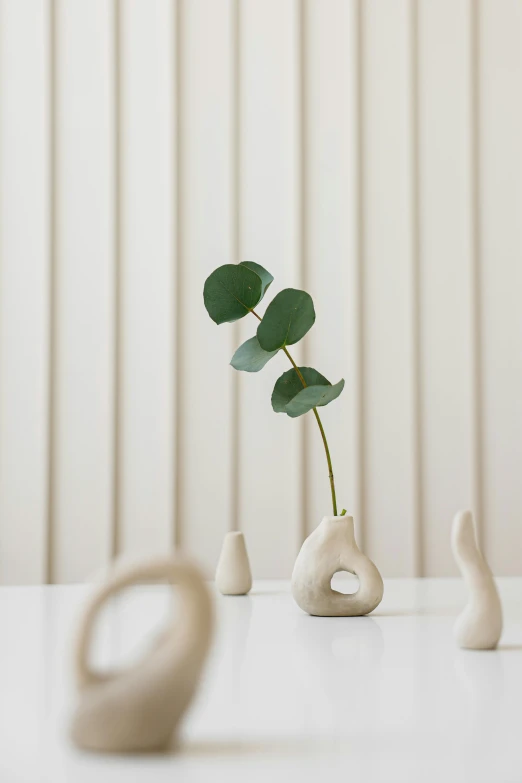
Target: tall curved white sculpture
139 709
329 549
480 625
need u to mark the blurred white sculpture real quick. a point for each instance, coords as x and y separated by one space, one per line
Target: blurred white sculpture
138 709
329 549
233 575
480 625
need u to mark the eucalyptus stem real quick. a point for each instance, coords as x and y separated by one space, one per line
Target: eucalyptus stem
319 424
329 460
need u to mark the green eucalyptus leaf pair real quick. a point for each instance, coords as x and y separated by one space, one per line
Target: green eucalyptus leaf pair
234 290
290 397
287 319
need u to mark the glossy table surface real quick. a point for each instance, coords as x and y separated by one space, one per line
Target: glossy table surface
284 696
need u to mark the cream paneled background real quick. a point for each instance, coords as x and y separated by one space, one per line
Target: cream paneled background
369 151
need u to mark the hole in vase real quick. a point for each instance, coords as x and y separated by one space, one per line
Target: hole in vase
346 583
128 625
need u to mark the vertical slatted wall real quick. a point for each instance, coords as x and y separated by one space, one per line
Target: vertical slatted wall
368 151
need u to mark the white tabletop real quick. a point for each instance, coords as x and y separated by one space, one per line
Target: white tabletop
285 696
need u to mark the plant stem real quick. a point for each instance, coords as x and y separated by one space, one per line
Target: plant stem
319 424
328 459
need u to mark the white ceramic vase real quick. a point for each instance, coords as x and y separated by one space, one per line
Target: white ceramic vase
480 625
233 574
329 549
138 709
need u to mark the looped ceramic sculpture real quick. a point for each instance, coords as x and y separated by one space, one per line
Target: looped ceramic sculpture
480 625
329 549
233 575
138 709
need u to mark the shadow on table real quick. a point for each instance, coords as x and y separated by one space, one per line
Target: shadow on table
433 611
232 747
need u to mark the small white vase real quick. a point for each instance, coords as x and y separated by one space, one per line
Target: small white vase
480 625
138 709
233 574
329 549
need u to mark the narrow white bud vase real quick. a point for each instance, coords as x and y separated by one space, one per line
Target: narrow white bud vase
480 625
138 709
233 575
329 549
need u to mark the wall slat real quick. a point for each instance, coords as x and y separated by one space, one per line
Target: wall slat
147 274
389 518
500 202
84 288
299 234
331 225
235 240
270 511
444 295
204 510
24 289
359 440
177 289
417 429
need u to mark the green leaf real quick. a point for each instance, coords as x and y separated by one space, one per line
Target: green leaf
266 277
313 397
287 319
289 384
230 292
250 357
290 397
